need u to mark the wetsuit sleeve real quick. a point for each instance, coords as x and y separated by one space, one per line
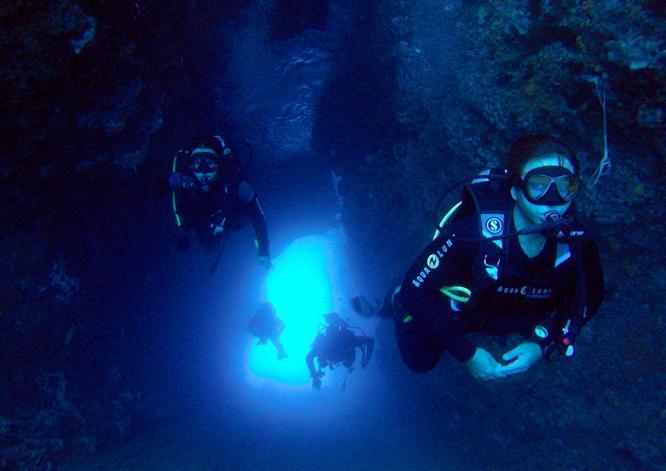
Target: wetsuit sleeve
309 360
252 210
436 290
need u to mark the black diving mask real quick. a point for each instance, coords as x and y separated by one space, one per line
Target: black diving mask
203 165
550 186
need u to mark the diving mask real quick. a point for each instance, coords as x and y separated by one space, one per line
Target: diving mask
550 186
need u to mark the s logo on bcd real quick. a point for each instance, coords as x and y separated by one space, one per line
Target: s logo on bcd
433 261
494 225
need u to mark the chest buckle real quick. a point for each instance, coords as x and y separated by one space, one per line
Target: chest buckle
492 266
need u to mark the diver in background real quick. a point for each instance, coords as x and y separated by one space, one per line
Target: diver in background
337 345
514 261
210 196
266 325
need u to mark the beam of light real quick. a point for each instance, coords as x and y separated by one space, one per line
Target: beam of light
303 285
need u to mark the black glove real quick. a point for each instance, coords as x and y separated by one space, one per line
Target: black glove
183 242
188 182
178 181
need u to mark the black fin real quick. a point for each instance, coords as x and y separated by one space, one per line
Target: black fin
362 306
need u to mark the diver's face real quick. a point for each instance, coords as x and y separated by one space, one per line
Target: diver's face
205 178
535 211
205 170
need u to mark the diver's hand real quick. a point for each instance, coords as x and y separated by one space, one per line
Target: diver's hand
316 380
178 181
188 182
483 366
265 261
521 358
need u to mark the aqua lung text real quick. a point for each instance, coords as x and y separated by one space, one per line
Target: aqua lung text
432 262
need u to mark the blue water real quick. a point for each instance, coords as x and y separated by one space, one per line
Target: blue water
222 402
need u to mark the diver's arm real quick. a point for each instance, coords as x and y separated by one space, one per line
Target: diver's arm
444 328
316 375
309 360
438 286
278 347
279 327
253 211
367 345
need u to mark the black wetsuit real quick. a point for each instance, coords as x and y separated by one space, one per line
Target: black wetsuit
265 324
231 201
338 345
527 293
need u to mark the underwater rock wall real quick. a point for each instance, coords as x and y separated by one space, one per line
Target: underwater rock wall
280 54
90 90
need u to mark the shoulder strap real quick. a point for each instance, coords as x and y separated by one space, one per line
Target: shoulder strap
489 199
575 310
492 203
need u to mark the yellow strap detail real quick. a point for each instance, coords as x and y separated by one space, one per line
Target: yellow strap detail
173 193
446 218
175 212
457 293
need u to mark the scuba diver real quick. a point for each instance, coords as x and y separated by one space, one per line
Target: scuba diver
266 325
511 257
337 345
210 196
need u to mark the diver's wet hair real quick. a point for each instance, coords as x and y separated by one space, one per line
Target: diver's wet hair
207 141
534 146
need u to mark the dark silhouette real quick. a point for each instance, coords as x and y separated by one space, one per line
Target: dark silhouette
337 345
266 325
